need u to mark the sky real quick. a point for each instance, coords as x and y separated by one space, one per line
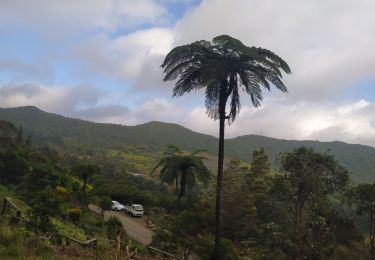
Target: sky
99 60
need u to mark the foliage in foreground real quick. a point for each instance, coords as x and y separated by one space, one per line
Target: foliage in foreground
288 215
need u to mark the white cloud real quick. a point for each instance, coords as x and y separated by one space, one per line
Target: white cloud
324 121
326 43
139 11
312 119
197 120
60 18
64 100
105 114
126 56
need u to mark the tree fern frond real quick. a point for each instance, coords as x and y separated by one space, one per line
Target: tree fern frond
212 99
277 82
235 104
278 61
224 62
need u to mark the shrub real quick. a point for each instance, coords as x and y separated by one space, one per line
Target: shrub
106 203
75 214
62 190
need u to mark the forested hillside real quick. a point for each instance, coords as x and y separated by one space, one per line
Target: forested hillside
151 138
266 214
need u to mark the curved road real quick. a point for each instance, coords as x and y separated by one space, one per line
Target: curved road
134 230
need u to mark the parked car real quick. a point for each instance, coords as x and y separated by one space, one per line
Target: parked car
136 210
117 206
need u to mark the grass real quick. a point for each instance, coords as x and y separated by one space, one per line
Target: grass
4 191
67 228
16 243
74 179
136 162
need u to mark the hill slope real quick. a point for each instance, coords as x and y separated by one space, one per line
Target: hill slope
152 137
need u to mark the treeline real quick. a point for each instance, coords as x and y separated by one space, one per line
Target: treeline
96 140
38 177
306 210
54 191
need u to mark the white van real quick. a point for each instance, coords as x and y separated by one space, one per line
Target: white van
117 206
136 210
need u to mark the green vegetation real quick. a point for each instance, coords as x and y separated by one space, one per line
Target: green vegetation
363 197
309 179
135 162
102 142
52 202
67 228
16 243
302 206
295 213
184 170
297 210
85 171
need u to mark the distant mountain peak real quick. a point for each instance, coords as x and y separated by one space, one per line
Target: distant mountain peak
31 108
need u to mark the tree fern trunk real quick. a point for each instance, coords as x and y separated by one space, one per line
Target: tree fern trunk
84 185
220 169
182 185
372 235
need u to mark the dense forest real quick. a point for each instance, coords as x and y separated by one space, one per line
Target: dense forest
144 143
301 206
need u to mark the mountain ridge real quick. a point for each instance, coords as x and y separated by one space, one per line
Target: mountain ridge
155 122
153 136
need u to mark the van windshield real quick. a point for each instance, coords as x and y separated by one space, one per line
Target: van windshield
138 208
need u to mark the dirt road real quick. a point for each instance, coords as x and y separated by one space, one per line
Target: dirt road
134 230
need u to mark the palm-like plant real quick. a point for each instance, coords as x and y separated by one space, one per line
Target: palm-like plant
223 67
182 169
85 171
